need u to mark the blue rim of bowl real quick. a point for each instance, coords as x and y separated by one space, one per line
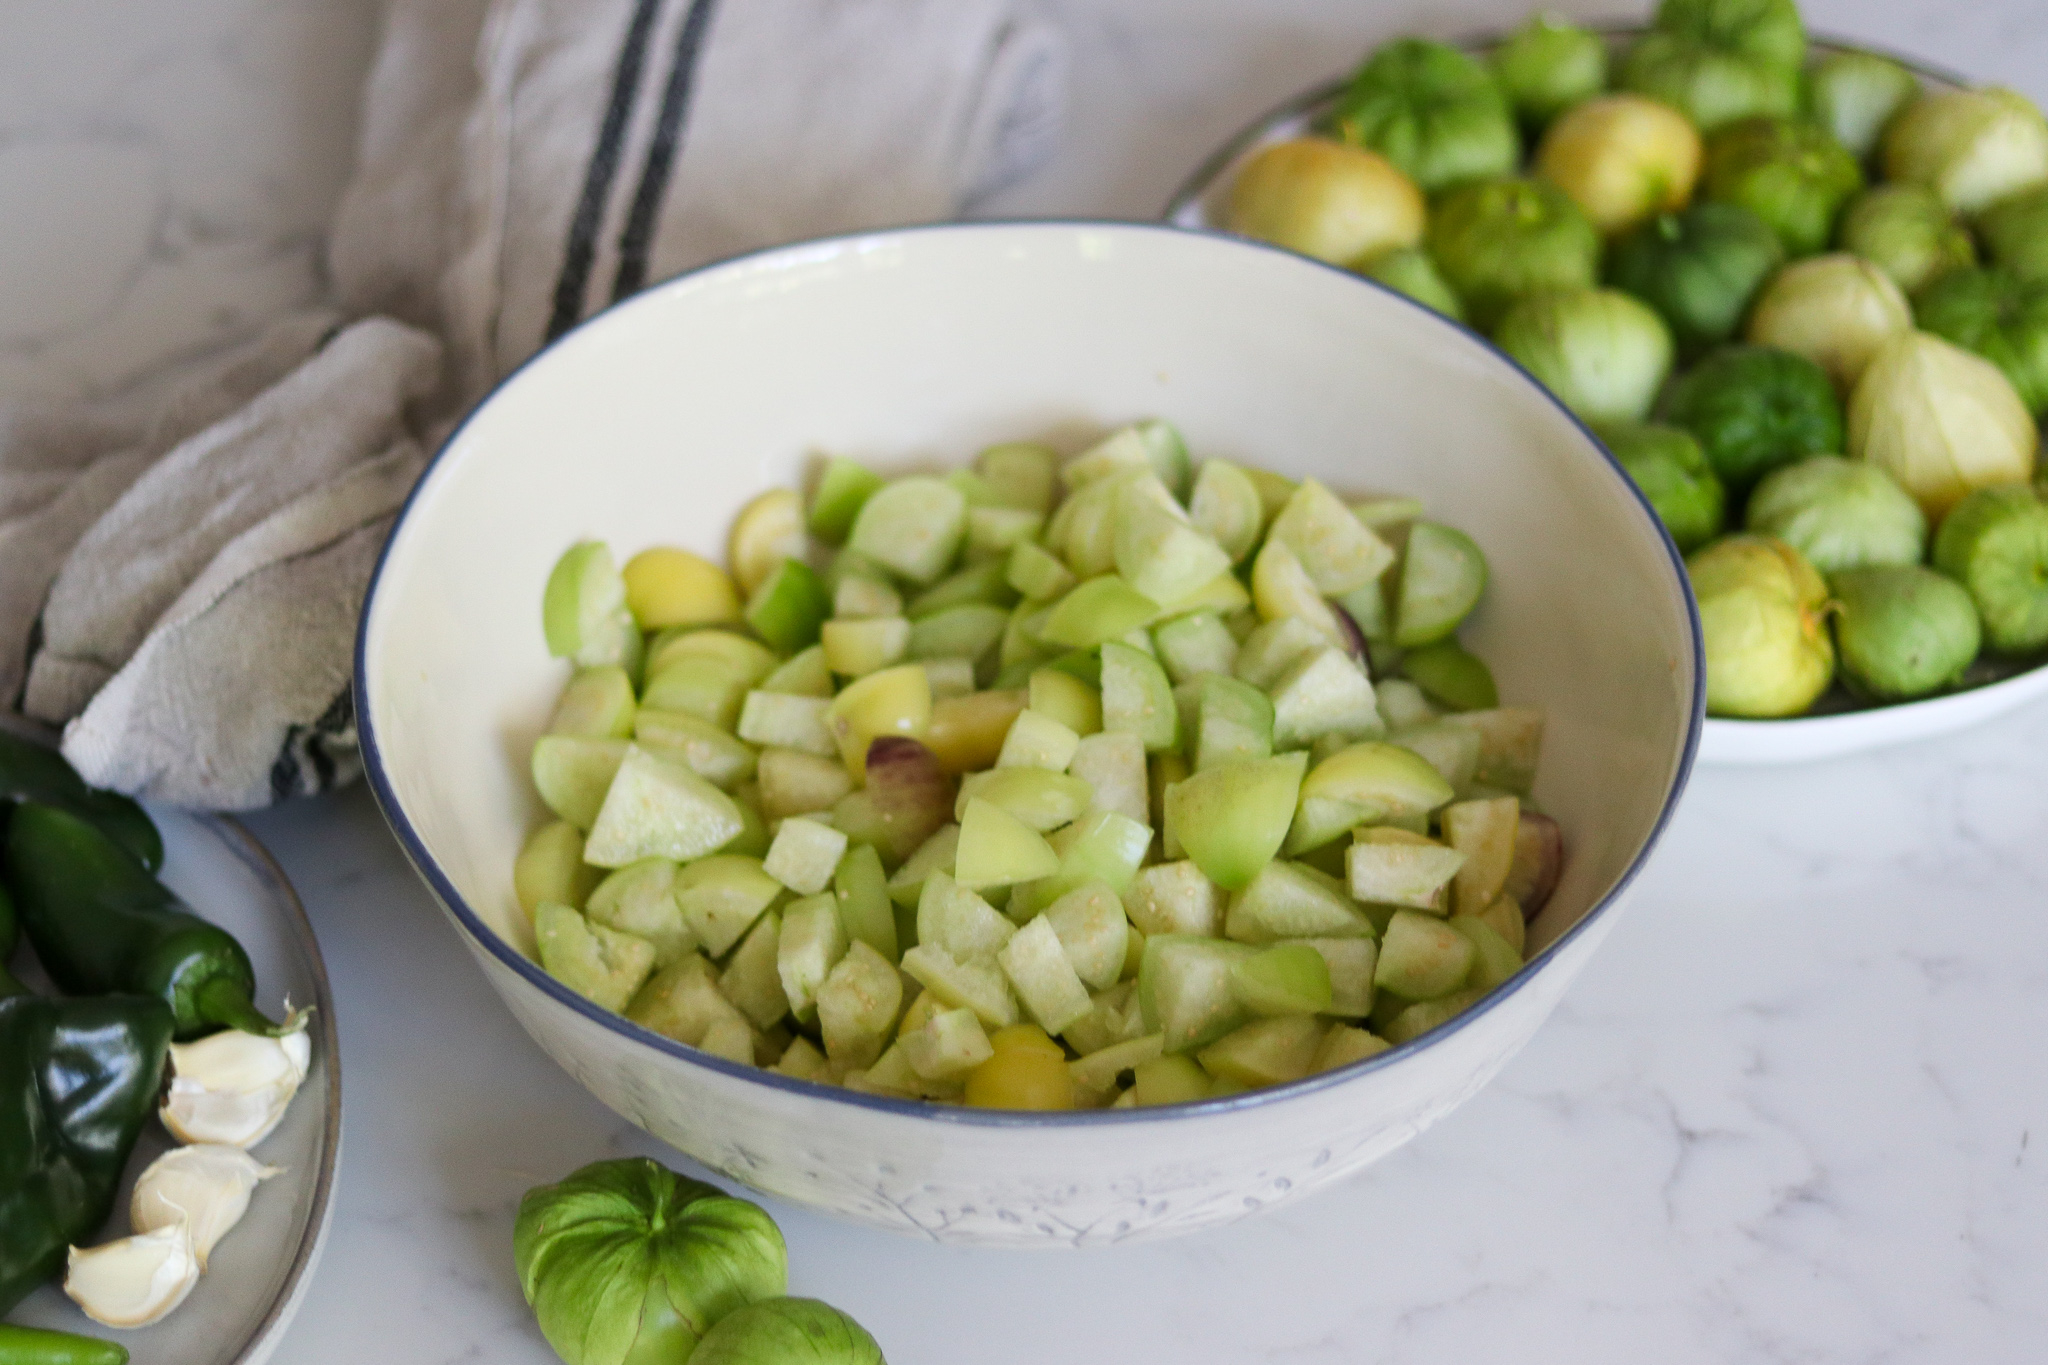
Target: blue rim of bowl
531 972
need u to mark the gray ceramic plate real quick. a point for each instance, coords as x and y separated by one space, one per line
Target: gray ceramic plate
260 1272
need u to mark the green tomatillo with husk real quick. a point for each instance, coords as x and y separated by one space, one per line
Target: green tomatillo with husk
1548 65
1907 232
1667 464
1902 630
1999 316
1602 352
1717 61
1853 94
1753 409
1790 173
1995 543
1941 420
1622 158
1411 271
1433 111
1325 199
2015 233
1971 147
1841 514
787 1332
1763 617
1836 310
1498 240
1699 269
627 1263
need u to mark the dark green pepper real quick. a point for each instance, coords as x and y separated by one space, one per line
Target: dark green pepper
102 924
33 1346
33 772
78 1079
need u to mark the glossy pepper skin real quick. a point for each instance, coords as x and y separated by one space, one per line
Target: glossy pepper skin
33 1346
78 1079
31 772
101 924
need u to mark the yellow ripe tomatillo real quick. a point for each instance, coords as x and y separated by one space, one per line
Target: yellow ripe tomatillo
1763 615
1624 159
1324 199
1941 421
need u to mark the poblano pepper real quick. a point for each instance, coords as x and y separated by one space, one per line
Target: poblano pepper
102 924
31 772
78 1079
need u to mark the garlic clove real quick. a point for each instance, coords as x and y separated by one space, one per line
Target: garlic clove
206 1186
135 1281
233 1087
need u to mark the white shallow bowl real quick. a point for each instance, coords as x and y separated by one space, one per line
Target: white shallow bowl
1203 202
654 422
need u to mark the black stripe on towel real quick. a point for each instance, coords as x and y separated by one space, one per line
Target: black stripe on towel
581 247
637 240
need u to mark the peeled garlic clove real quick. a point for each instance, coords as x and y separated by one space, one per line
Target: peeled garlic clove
206 1186
233 1087
135 1281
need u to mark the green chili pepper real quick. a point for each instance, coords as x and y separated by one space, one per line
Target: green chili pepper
78 1078
31 772
102 924
32 1346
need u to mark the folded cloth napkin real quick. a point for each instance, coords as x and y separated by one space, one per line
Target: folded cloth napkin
179 586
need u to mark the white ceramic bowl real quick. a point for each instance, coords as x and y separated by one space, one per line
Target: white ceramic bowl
653 423
1202 202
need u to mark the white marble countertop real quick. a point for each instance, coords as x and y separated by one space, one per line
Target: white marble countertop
1785 1116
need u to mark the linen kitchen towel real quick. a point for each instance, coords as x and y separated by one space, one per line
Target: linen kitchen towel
180 591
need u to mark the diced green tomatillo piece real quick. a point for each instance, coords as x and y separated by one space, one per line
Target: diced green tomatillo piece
1403 704
1222 595
1420 1018
1192 645
1113 765
1036 573
1042 799
947 1046
722 896
1184 989
792 782
1510 742
1038 971
1265 1051
1082 665
789 606
1113 1019
1282 588
752 840
857 598
1136 697
787 722
948 677
1097 1071
1175 898
748 658
1350 962
579 608
1274 490
1449 674
1343 1045
858 1005
951 917
707 686
1495 959
1225 505
913 526
640 899
600 964
1422 957
1233 722
550 867
1173 1079
805 675
1268 651
732 1038
1363 784
993 532
1023 473
804 855
1061 696
983 584
1323 693
1337 550
1036 740
1083 531
752 978
682 1001
1102 846
843 488
1453 750
977 986
1105 608
1158 552
935 854
1367 608
1484 832
893 701
1232 820
1092 931
998 849
978 491
1021 651
597 704
1289 900
1287 978
1414 874
699 745
969 631
1442 576
572 774
854 649
861 892
802 1061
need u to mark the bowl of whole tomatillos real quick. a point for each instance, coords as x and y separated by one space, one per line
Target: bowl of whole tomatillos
1800 291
